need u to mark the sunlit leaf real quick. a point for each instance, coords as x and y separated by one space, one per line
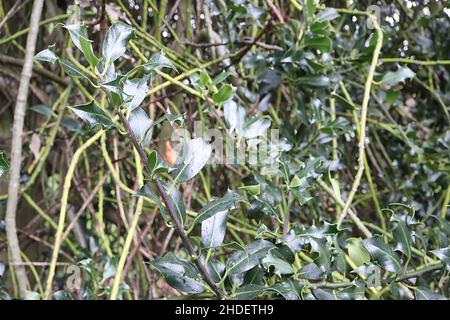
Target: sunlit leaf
116 41
78 33
443 254
213 229
402 73
46 55
193 158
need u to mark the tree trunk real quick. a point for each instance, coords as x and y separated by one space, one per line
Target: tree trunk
16 150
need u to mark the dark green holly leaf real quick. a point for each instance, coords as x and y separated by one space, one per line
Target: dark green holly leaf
443 254
310 8
274 259
116 41
344 102
320 247
245 260
324 44
4 165
179 273
62 295
156 163
158 61
176 200
256 275
234 115
71 70
314 81
255 127
214 267
78 33
46 55
195 155
289 289
146 191
310 272
110 269
327 15
248 292
141 125
422 293
43 109
402 73
225 93
324 294
383 254
227 202
136 90
356 252
353 292
213 229
93 114
115 84
71 124
402 236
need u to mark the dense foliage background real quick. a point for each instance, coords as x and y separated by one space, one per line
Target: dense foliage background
111 81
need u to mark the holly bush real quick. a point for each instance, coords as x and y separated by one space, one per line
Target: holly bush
336 185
